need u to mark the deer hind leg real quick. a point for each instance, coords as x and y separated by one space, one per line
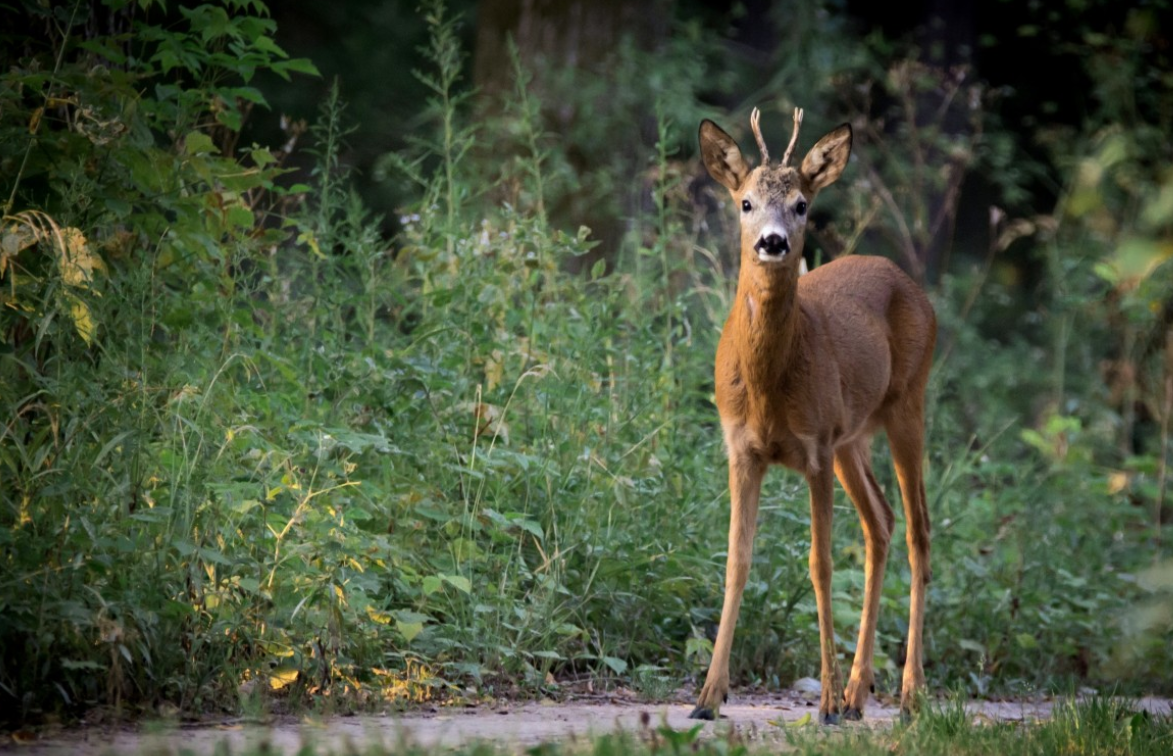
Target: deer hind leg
745 484
854 470
906 438
821 489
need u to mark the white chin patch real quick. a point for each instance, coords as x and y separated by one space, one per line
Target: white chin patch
775 259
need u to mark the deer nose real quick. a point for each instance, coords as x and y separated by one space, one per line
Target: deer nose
774 245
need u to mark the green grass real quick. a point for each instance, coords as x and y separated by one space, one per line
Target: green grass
1098 726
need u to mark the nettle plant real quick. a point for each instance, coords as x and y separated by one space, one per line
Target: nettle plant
130 211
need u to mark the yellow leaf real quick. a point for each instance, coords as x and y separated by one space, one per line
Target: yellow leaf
381 617
18 235
802 721
282 677
82 320
494 369
77 262
307 237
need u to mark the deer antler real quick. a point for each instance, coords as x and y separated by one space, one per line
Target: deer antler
793 138
754 117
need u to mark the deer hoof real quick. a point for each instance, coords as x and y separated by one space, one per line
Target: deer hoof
702 712
829 718
852 714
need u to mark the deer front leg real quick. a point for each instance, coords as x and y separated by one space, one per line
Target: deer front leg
745 485
820 483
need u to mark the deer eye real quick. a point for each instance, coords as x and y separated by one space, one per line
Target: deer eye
745 206
800 208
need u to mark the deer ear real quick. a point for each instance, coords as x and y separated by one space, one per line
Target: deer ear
722 157
827 159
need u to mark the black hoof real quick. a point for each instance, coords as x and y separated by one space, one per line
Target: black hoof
852 714
702 712
830 718
906 716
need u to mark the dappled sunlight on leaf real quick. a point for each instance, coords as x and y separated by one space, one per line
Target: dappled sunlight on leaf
282 677
415 683
76 262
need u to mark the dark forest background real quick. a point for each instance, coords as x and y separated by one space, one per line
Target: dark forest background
362 352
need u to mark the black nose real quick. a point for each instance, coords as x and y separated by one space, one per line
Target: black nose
772 245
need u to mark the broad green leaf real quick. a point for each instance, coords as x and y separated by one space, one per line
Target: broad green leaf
409 630
198 143
296 65
214 556
241 217
1137 258
459 582
243 506
970 645
229 117
261 156
697 647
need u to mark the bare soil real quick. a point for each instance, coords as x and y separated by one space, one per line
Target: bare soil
513 725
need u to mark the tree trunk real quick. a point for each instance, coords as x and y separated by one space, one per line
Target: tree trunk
569 47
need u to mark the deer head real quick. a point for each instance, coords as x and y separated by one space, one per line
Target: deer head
774 199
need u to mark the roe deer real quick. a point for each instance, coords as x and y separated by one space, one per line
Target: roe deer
808 368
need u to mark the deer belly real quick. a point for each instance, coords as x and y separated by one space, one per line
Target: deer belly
773 446
793 452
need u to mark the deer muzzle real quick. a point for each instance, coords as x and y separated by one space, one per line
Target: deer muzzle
772 247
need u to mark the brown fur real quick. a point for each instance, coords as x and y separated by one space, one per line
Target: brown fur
807 369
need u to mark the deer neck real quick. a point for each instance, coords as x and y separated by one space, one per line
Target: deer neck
769 321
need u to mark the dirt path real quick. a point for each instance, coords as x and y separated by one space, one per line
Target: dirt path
518 724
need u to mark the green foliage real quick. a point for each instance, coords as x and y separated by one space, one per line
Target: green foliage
122 149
